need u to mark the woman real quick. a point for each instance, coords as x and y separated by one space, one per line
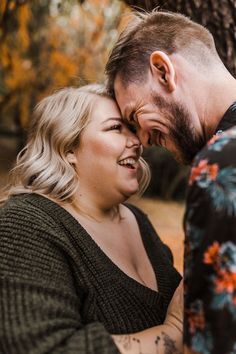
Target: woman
81 272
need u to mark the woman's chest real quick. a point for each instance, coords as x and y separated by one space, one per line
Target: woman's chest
125 249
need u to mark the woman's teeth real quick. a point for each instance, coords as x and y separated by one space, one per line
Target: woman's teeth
127 162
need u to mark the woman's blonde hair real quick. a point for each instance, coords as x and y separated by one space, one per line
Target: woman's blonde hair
58 121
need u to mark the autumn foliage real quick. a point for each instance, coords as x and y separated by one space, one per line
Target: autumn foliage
46 45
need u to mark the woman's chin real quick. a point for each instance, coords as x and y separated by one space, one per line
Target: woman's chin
132 190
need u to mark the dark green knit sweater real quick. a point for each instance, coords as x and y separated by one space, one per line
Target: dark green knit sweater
59 293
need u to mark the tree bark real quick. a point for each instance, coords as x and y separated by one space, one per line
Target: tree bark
219 16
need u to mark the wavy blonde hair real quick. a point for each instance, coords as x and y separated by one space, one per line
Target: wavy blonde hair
57 124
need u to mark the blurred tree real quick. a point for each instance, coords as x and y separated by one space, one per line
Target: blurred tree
168 178
219 16
45 45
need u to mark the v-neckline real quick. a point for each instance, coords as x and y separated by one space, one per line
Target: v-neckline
72 224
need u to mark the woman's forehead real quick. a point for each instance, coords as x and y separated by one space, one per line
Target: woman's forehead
104 108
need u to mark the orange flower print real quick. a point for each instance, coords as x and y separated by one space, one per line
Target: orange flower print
212 171
203 170
222 258
196 171
196 321
195 315
226 282
211 256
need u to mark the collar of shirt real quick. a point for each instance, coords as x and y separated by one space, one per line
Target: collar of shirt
228 120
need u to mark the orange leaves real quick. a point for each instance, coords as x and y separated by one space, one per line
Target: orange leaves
20 73
23 15
62 68
5 55
46 49
17 68
3 6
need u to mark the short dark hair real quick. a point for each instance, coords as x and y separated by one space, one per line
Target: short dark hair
157 30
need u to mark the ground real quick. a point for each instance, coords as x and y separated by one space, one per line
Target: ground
167 218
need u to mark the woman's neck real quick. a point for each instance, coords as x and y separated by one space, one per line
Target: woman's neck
93 210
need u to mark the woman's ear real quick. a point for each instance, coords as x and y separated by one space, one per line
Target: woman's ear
70 156
163 70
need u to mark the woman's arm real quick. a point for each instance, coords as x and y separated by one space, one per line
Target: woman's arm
163 339
160 339
40 308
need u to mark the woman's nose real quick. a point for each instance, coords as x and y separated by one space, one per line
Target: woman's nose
133 140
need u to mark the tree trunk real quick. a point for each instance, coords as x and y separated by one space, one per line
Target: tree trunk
219 16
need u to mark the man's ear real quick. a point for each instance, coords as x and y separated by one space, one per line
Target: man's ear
162 68
70 156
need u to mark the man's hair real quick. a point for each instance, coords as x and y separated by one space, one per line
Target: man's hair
158 30
56 128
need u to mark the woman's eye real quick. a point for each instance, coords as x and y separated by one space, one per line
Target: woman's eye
116 127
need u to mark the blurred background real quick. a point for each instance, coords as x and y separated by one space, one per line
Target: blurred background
46 45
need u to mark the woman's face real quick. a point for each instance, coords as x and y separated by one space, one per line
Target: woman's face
106 160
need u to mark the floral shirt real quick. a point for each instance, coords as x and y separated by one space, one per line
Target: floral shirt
210 250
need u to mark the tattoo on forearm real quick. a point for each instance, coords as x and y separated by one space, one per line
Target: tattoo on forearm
127 340
169 344
158 338
136 340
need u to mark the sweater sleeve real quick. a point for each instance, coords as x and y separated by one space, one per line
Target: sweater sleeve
40 309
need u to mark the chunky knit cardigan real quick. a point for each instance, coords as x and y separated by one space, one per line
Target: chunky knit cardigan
59 293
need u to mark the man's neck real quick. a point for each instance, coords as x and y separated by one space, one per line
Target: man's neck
222 94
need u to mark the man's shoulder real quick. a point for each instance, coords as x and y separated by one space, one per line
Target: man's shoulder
221 140
215 164
221 149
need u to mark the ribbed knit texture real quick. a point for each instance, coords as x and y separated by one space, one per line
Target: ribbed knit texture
59 293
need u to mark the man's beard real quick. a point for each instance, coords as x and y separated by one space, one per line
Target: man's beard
182 133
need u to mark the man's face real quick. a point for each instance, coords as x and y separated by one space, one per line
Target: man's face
159 121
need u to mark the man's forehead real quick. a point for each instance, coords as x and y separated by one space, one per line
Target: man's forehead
119 86
125 96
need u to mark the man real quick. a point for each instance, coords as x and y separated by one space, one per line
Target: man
170 83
